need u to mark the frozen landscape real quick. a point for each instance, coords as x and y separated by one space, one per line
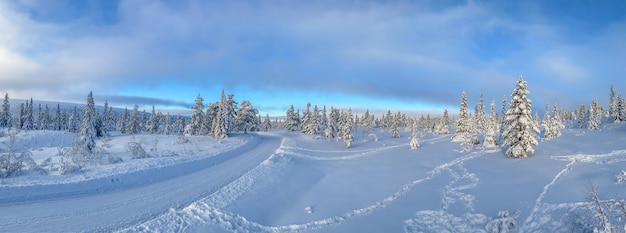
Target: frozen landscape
313 116
280 181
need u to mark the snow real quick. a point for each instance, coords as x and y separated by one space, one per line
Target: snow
290 182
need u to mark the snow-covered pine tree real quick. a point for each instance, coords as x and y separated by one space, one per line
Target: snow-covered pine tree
346 128
415 143
246 117
481 119
267 123
177 127
520 130
74 121
220 124
582 116
442 124
323 120
195 127
88 133
331 124
153 122
167 126
503 119
134 121
557 123
57 121
6 119
546 123
29 120
395 132
612 106
621 110
306 119
292 121
122 123
230 113
463 124
595 116
492 127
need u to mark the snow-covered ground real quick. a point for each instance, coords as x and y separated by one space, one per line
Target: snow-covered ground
289 182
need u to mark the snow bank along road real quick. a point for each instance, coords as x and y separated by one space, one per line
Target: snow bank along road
123 207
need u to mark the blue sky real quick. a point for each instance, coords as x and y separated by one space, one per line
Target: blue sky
399 55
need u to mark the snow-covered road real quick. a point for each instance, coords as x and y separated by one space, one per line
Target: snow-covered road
116 209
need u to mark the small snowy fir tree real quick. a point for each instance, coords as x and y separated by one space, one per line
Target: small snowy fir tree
346 128
5 115
582 116
194 128
621 110
134 123
415 143
595 116
88 125
331 123
267 123
492 125
292 121
306 119
395 132
612 106
520 130
220 124
463 123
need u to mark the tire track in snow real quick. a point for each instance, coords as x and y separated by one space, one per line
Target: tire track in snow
204 212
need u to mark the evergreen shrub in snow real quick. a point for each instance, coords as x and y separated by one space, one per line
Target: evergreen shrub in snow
136 150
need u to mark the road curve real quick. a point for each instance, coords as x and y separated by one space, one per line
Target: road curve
117 209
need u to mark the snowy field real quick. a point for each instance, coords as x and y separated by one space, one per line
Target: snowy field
289 182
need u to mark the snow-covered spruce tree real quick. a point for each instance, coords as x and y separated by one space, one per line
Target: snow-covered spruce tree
134 123
480 118
246 117
230 113
194 128
74 121
292 121
503 118
331 124
88 133
612 106
520 130
177 126
395 132
29 120
557 123
123 121
57 121
415 143
442 125
6 119
306 119
621 110
582 117
595 116
463 123
491 128
546 123
346 128
221 123
153 122
267 123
